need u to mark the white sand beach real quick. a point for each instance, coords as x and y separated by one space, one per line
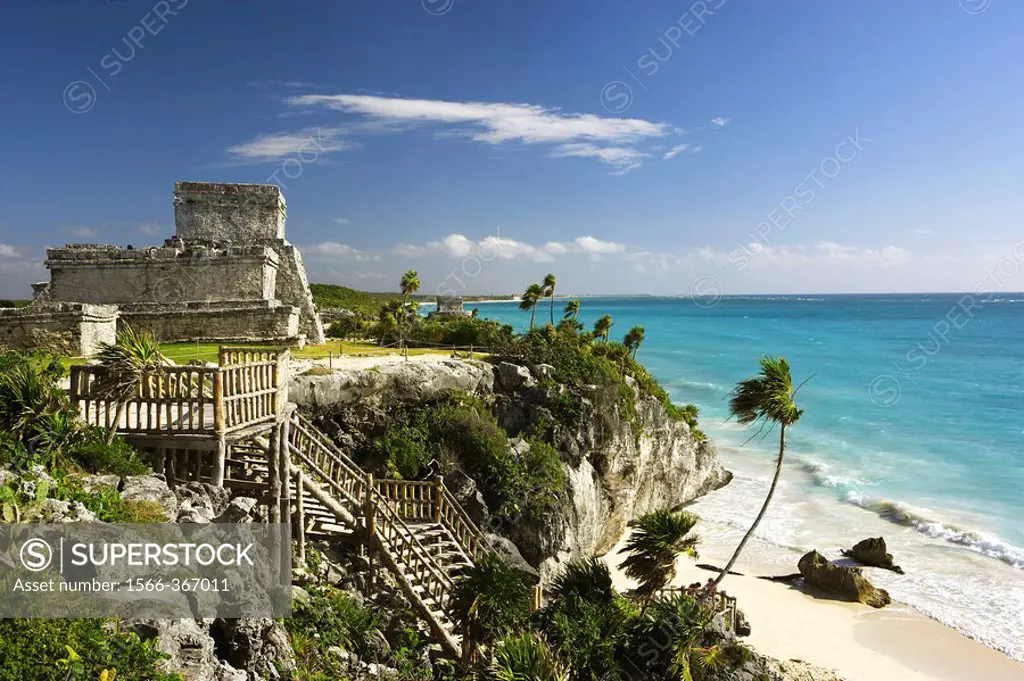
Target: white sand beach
859 642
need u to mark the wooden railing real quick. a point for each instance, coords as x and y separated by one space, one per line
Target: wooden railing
250 387
172 400
320 455
412 500
450 514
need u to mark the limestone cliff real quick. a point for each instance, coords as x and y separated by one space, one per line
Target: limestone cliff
619 467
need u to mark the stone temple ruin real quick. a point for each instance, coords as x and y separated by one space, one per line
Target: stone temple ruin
228 274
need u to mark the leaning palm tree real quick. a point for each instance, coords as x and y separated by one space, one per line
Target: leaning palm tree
657 540
602 327
531 296
767 400
409 284
634 338
131 359
549 290
572 310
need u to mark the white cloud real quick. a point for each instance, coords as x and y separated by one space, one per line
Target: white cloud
719 122
556 247
333 249
623 158
148 228
676 150
8 251
589 244
342 221
497 122
311 142
760 256
83 233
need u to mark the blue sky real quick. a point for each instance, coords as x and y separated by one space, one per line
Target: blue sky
629 147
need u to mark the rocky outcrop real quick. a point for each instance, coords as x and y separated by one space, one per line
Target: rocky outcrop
619 466
873 553
845 581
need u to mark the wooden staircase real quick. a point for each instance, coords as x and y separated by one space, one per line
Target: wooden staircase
417 530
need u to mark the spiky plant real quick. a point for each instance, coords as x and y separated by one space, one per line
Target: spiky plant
768 401
127 362
587 579
656 540
526 657
29 394
572 310
491 600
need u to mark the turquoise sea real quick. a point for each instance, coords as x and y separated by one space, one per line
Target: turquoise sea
914 430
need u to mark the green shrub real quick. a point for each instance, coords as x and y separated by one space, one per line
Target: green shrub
38 650
329 618
492 600
107 503
526 657
95 455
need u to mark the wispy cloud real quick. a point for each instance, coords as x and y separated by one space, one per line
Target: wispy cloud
148 228
719 122
333 249
82 232
8 251
676 150
610 140
342 221
271 147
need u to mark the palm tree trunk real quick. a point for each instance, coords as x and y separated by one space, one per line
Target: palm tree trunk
112 431
764 508
533 314
552 306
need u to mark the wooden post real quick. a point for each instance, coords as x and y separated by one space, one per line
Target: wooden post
438 498
536 598
274 475
219 462
300 516
370 512
286 473
218 402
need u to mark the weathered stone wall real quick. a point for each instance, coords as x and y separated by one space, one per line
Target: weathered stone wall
293 289
108 274
240 213
71 329
214 322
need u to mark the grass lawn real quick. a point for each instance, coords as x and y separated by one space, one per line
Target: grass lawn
183 353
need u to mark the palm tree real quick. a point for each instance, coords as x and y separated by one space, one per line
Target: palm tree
533 295
657 539
491 600
602 327
549 290
766 399
572 309
131 359
409 284
586 579
634 339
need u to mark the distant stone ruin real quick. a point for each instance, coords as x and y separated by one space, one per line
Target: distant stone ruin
449 306
228 274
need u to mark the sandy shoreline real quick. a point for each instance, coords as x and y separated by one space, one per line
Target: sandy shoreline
860 643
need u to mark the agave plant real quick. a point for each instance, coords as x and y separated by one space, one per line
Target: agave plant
526 657
127 363
29 395
656 541
587 579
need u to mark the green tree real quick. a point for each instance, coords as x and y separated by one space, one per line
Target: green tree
127 362
602 327
409 285
490 601
656 541
572 310
549 291
767 400
531 296
633 339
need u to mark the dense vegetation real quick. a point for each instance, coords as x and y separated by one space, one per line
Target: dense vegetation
460 432
47 446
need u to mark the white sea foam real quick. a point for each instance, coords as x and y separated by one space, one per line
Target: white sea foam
903 514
